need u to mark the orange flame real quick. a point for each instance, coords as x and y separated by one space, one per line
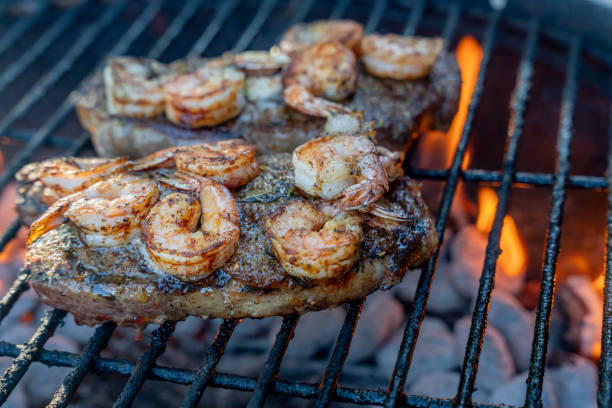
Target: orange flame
513 258
469 54
599 283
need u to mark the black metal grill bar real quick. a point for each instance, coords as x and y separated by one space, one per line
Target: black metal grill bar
518 105
20 27
604 395
273 362
9 233
553 239
375 16
157 347
340 9
175 27
72 381
40 88
525 178
413 325
221 15
341 348
29 353
255 26
209 362
415 16
46 40
299 389
19 286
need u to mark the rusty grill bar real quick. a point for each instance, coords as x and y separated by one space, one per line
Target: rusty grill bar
328 390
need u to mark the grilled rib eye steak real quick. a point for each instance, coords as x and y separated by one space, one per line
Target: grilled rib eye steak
400 109
122 285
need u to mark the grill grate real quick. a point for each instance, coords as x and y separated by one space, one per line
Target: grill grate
90 361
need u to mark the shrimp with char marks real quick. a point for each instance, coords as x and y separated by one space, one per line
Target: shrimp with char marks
207 97
341 167
67 176
134 86
301 36
315 240
171 234
321 74
107 213
229 162
399 57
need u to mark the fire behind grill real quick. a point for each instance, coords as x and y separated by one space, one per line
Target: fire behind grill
51 66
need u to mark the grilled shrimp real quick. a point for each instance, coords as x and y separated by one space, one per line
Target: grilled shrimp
207 97
171 234
229 162
66 176
260 63
345 167
399 57
315 241
318 74
134 86
107 213
392 161
300 36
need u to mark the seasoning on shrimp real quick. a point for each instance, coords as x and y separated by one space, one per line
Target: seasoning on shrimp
207 97
315 241
229 162
134 86
107 213
171 234
343 166
301 36
399 57
67 176
321 73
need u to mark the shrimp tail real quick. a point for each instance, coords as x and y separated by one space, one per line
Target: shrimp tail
382 212
363 194
301 99
51 219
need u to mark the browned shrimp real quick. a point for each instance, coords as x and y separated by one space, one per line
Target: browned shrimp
399 57
321 73
207 97
300 36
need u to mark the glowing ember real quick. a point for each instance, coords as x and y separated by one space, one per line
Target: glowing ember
513 258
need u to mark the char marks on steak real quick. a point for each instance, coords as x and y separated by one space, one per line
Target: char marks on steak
400 109
122 285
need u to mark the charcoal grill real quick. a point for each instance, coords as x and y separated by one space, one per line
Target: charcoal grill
259 25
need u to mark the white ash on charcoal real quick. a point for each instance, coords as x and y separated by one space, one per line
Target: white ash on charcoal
582 307
516 325
574 380
495 366
434 352
315 334
513 393
381 316
444 299
467 251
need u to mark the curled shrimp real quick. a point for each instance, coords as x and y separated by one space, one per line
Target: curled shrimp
315 241
261 63
229 162
300 36
134 86
66 176
173 239
392 161
399 57
107 213
207 97
342 166
321 73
